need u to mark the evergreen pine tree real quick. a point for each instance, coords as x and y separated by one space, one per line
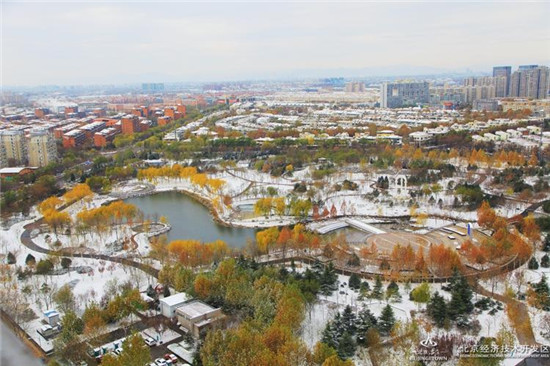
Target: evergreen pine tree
309 275
328 279
346 346
546 245
365 321
317 268
543 292
437 309
386 320
338 325
349 320
151 292
354 281
545 261
166 292
533 264
461 296
392 291
330 337
377 290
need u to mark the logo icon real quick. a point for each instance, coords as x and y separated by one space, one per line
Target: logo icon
428 342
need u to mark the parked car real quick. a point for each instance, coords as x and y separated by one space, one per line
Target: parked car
150 342
160 362
118 351
172 357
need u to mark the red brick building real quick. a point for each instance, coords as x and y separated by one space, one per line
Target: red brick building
74 138
163 121
105 137
130 124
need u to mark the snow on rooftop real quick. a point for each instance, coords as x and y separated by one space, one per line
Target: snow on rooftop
195 309
15 170
175 299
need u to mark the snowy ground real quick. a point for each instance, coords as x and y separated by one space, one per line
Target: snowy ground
327 306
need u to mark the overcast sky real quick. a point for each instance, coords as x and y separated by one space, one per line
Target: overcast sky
113 42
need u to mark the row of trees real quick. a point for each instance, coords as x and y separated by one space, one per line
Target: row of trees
347 330
194 253
504 241
286 238
102 218
179 172
49 207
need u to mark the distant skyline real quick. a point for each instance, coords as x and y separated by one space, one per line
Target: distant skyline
67 43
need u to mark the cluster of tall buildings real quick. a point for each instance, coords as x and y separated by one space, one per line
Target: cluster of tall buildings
527 82
36 148
31 138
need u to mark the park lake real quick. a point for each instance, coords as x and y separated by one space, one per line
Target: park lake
189 219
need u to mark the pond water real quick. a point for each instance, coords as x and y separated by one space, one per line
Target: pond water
189 219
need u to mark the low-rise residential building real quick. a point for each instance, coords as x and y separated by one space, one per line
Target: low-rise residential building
502 136
420 138
105 137
130 124
534 130
491 137
168 305
16 171
197 317
163 121
59 132
91 128
74 138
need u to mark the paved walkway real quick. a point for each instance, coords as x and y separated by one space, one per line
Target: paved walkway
525 336
29 243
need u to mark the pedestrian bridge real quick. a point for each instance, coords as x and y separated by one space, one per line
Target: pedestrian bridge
356 224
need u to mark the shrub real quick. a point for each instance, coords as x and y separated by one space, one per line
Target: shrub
44 266
66 262
533 264
545 261
11 258
30 260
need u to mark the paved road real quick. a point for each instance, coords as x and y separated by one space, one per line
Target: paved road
13 352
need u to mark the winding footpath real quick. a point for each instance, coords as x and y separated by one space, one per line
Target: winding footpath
29 243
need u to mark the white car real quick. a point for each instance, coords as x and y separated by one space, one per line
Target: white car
118 351
160 362
150 342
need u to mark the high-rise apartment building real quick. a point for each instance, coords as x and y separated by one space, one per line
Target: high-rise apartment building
13 147
530 81
503 73
527 67
42 148
396 95
355 87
